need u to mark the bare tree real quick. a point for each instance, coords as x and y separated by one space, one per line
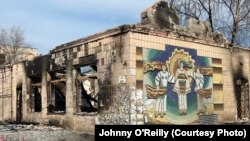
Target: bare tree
11 43
231 17
239 11
207 6
190 8
198 9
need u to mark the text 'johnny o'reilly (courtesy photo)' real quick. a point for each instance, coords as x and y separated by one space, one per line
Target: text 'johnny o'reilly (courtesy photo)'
174 133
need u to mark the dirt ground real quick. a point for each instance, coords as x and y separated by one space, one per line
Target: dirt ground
19 132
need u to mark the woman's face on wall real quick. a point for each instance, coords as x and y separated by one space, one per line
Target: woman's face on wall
164 68
181 65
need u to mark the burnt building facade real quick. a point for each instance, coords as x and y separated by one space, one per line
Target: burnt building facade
134 74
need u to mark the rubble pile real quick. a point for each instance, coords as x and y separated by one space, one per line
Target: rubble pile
162 16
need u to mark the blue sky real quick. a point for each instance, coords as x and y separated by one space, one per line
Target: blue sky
48 23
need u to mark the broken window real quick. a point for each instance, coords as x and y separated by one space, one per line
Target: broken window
87 89
35 93
34 70
2 59
57 96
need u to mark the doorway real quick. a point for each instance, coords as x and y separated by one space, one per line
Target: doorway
19 105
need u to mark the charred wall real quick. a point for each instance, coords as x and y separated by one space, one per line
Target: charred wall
38 65
241 65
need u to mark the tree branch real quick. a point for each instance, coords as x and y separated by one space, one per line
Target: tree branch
225 25
185 13
203 6
243 17
230 8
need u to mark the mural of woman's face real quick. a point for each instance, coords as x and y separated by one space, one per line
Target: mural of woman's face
164 68
181 64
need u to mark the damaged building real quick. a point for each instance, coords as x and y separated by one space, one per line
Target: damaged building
153 72
9 85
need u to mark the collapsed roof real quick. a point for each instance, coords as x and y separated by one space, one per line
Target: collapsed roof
160 19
